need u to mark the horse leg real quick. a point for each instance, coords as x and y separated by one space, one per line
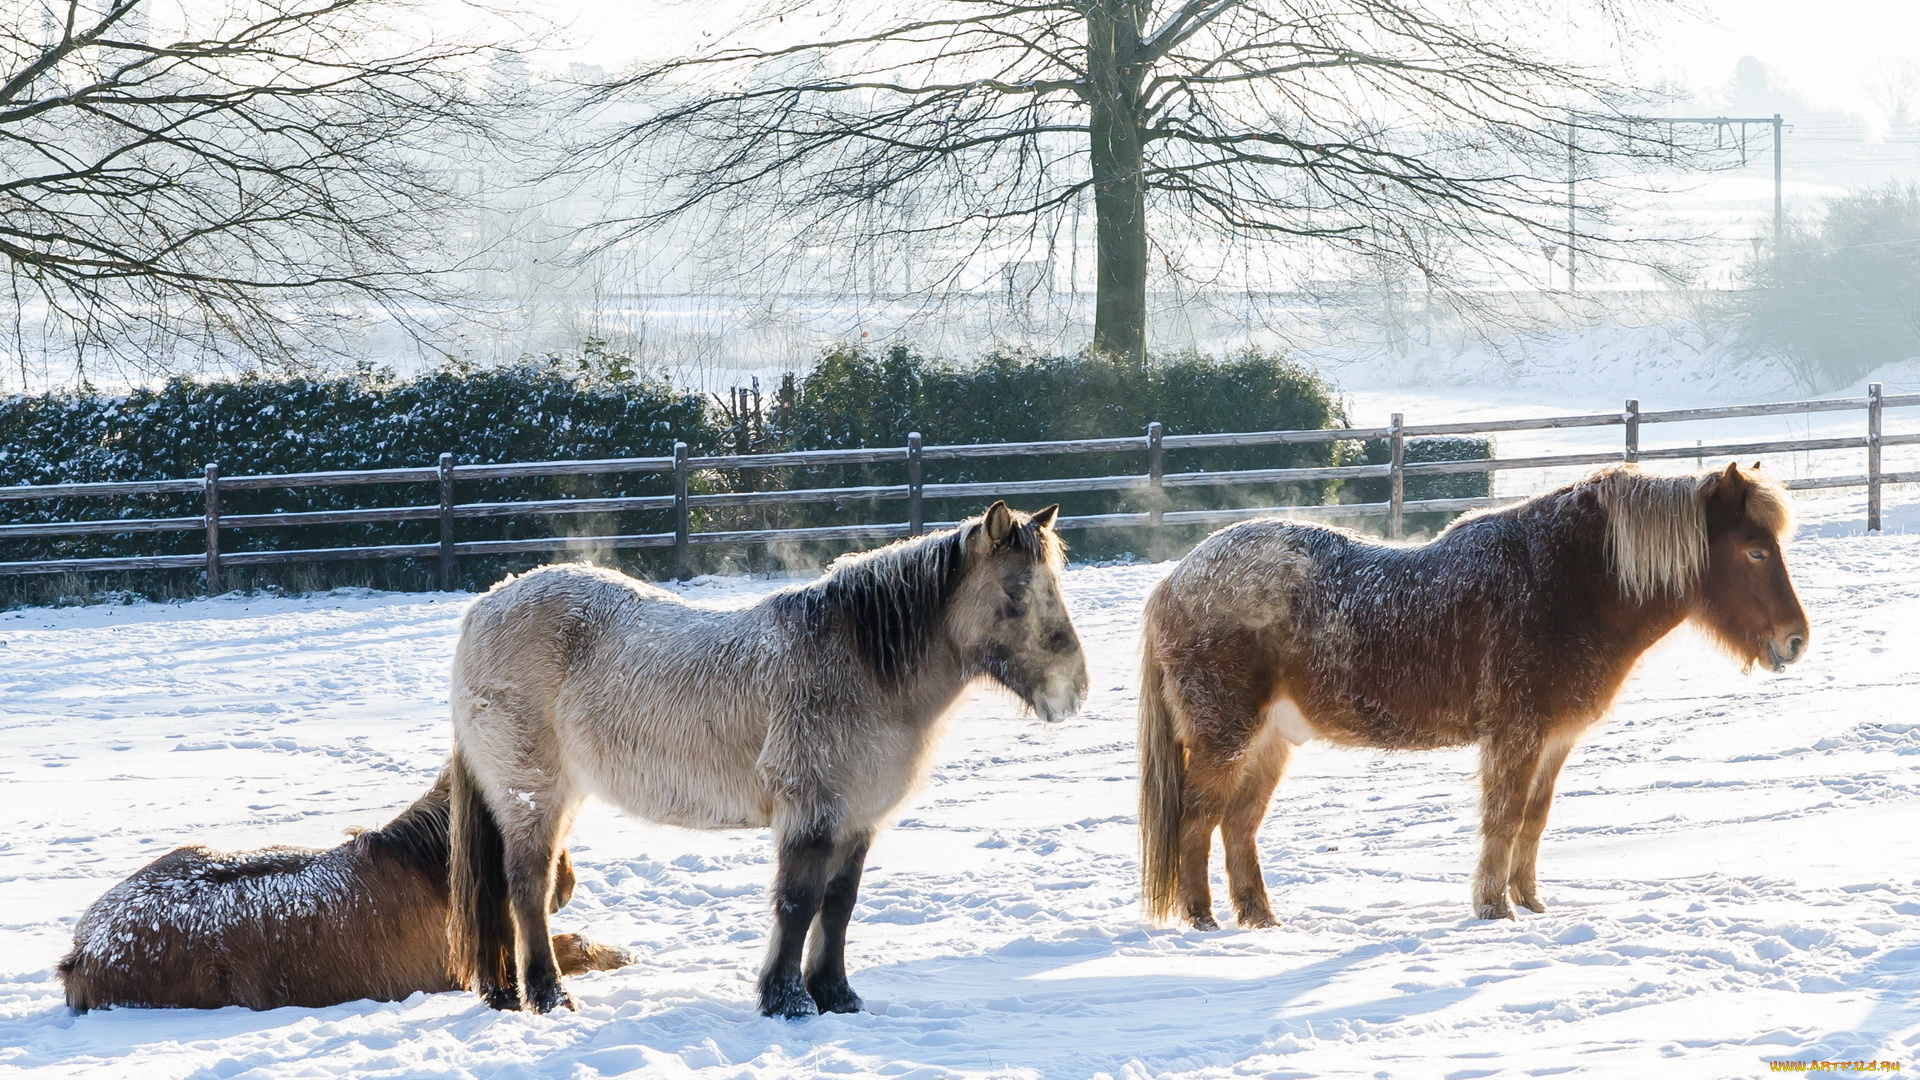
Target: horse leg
1219 715
1266 760
799 885
826 973
1209 786
1521 879
534 831
1507 768
577 955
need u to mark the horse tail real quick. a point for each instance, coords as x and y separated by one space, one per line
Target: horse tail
1162 777
479 926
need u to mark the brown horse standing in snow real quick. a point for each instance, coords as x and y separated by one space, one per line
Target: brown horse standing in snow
1513 629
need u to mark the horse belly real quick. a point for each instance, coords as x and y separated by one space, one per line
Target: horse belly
692 794
1410 713
1286 720
1382 726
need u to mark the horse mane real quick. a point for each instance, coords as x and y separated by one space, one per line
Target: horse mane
893 600
1657 525
418 837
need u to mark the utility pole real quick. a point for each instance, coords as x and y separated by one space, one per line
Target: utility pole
1779 124
1777 120
1779 212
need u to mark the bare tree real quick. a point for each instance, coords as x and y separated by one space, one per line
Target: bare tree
1894 86
1203 124
235 180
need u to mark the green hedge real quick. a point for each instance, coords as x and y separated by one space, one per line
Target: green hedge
864 397
542 408
596 404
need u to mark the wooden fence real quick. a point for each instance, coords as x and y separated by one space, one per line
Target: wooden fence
1149 487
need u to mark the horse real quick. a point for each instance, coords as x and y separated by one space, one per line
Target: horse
813 713
1513 629
202 929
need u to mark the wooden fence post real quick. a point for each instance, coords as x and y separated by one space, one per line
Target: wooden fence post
1632 418
682 562
213 528
1397 477
1156 491
916 511
447 568
1874 399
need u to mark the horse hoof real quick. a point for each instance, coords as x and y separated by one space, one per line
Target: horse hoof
1498 909
787 999
1531 903
835 998
545 999
1202 922
503 999
1259 921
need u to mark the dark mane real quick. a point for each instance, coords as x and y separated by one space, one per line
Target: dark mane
891 601
418 837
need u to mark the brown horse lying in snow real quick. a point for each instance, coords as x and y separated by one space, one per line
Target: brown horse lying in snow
199 929
1513 629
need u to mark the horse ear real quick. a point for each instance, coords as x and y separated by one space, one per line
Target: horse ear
1043 519
1730 487
997 524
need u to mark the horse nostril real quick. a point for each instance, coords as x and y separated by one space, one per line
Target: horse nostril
1795 645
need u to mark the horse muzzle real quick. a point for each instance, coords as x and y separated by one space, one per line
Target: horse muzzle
1786 649
1061 698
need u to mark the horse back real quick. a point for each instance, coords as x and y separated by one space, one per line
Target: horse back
275 927
529 630
1380 645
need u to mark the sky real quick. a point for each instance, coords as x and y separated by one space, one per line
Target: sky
1825 50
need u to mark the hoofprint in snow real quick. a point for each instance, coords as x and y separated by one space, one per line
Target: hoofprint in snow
1730 868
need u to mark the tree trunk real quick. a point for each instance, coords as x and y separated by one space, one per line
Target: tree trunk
1119 179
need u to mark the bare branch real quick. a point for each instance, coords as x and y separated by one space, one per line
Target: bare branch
236 189
1373 124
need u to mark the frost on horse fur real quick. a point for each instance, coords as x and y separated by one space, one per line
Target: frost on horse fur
1514 629
814 713
281 926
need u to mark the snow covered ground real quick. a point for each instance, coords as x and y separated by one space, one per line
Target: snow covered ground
1731 867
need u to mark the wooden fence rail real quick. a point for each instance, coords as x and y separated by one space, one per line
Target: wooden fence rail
1148 487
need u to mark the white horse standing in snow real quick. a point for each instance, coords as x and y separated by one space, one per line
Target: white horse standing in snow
814 712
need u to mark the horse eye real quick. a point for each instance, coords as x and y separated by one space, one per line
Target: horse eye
1756 554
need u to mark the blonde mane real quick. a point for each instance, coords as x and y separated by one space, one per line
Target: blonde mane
1657 525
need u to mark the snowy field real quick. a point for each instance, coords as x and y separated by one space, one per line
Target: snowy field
1732 868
